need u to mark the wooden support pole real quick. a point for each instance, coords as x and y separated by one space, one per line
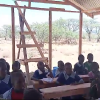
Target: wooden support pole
80 32
13 34
50 39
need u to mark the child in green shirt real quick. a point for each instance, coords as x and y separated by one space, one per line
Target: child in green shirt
88 63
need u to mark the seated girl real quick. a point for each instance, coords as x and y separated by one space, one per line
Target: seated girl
79 67
42 72
17 91
68 77
16 67
60 68
95 70
5 81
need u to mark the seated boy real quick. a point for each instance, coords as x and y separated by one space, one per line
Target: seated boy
17 91
32 94
68 77
88 63
79 67
5 81
16 66
42 72
60 68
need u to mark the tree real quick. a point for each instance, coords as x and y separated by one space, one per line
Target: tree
89 26
6 30
41 30
72 25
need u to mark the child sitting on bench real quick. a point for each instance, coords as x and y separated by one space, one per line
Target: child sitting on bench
42 72
68 77
16 92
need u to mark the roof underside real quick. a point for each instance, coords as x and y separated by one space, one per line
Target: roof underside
89 7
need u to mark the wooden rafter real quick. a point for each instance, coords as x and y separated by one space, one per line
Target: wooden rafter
47 1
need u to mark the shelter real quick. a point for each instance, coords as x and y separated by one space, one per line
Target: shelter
89 7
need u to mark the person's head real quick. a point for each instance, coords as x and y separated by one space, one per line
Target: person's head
68 68
40 65
3 69
8 67
95 66
18 80
90 57
32 94
16 66
61 65
81 59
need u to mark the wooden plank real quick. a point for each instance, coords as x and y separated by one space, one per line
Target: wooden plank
24 49
29 4
28 45
34 59
49 1
35 8
28 33
67 90
13 34
20 36
50 39
19 49
57 9
80 32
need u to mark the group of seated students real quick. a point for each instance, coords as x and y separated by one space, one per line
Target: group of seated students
12 84
13 87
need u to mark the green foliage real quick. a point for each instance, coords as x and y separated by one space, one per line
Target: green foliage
61 29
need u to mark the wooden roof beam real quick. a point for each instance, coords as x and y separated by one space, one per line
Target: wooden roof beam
36 8
47 1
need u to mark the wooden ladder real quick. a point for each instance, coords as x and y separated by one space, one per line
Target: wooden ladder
23 45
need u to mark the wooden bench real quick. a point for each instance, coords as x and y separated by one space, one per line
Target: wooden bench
67 90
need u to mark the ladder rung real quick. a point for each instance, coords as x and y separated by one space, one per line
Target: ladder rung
28 45
28 33
22 61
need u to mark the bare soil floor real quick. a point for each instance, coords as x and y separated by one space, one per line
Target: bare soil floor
64 52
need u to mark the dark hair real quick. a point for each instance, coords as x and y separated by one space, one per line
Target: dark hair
2 60
61 63
15 76
3 65
32 94
68 64
90 54
80 56
16 64
40 63
95 64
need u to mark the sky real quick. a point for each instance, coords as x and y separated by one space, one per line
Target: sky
36 15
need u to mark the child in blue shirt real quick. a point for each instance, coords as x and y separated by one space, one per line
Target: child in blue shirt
68 77
60 68
79 67
5 81
42 72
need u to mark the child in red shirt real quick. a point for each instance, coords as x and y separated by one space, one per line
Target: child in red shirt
18 82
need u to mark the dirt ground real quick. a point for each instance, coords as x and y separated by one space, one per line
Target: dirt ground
66 53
